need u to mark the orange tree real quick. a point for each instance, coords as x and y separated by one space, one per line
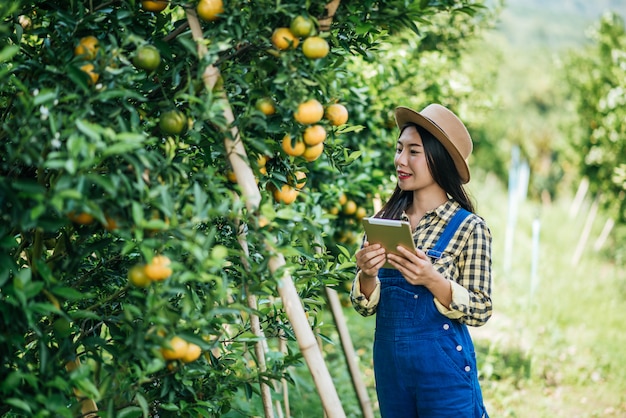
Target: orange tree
124 278
596 79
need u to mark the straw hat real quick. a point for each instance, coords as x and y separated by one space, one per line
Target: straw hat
446 127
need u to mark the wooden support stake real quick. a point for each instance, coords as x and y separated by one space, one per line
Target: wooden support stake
349 353
584 236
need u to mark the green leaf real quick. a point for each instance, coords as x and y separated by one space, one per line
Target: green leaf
130 412
9 52
143 403
18 403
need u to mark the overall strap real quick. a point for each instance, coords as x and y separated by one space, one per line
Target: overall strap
447 234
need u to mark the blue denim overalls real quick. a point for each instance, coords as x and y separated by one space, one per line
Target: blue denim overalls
424 362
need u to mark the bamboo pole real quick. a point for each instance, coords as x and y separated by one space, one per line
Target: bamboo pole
349 353
255 325
326 20
252 197
584 236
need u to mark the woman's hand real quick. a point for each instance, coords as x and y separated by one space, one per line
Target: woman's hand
416 267
370 259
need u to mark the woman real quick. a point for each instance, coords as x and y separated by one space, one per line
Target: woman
424 360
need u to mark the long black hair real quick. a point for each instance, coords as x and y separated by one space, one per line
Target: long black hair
442 169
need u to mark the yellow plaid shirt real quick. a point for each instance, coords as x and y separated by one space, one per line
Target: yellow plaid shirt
466 262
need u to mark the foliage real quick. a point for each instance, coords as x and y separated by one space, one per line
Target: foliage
598 80
91 186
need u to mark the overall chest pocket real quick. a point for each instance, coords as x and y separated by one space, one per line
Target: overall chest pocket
446 265
399 305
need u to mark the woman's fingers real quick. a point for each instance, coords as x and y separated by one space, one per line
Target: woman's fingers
370 258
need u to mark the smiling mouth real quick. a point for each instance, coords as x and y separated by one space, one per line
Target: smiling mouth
402 175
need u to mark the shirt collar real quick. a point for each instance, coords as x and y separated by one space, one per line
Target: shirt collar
444 211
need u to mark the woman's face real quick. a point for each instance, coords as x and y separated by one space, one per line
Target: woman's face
410 161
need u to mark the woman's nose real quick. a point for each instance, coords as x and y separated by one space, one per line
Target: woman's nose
400 158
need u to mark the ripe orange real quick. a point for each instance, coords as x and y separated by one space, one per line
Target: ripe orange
309 112
294 150
154 5
300 179
337 114
81 218
350 207
314 135
192 354
210 10
232 177
87 47
89 69
313 153
360 213
301 26
286 194
137 276
173 122
343 199
159 268
110 224
147 58
282 38
315 47
266 106
261 162
176 350
25 22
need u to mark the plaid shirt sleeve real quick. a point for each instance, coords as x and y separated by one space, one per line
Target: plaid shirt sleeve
471 290
361 304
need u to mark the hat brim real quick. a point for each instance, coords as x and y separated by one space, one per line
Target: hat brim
405 115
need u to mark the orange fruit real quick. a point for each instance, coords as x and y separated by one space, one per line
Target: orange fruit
313 153
25 22
261 162
337 114
89 70
210 10
360 213
314 135
137 276
159 268
87 47
266 106
192 354
315 47
282 38
300 179
301 26
110 224
309 112
343 199
232 177
350 207
177 348
147 57
81 218
294 150
154 5
173 122
286 194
